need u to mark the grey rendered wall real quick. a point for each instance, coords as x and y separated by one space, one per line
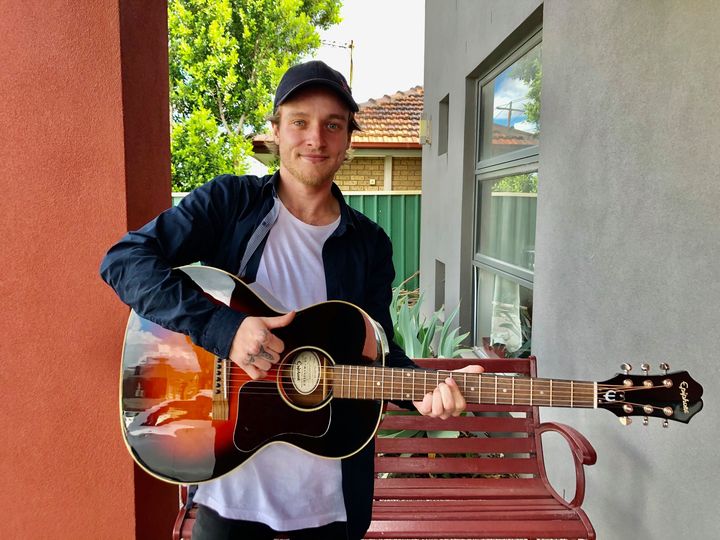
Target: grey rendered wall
628 233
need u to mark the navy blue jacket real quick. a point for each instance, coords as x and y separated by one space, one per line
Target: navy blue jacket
213 225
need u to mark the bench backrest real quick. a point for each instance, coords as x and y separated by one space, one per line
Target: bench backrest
410 445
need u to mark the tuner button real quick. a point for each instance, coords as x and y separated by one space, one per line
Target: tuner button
665 367
625 421
645 368
666 424
628 408
645 421
627 368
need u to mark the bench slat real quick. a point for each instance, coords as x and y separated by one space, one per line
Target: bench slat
464 445
476 529
423 465
460 423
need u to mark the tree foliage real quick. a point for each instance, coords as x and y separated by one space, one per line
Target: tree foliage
519 183
226 58
529 70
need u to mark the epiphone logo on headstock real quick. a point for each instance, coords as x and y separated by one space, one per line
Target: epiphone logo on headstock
684 396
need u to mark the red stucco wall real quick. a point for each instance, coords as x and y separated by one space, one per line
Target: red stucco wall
83 156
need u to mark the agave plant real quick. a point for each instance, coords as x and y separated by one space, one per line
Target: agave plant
423 338
420 337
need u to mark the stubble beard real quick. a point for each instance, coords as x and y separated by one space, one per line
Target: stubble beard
309 178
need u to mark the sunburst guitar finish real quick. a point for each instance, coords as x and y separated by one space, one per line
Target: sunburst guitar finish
189 416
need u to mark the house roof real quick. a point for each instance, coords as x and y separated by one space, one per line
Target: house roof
502 135
392 121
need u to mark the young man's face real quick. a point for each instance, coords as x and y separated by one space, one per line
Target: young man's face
312 136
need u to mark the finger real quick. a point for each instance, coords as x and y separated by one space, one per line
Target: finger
259 351
280 321
262 361
472 368
437 403
273 343
447 400
424 407
254 371
458 400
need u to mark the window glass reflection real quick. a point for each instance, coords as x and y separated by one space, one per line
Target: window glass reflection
507 209
503 315
510 107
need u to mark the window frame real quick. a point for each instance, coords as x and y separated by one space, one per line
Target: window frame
523 161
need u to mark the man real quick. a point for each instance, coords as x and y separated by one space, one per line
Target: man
293 234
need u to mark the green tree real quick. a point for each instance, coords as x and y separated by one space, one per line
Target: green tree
226 58
519 183
529 70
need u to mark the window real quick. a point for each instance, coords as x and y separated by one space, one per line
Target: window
506 180
443 112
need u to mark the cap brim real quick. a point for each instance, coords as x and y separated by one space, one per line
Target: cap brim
344 94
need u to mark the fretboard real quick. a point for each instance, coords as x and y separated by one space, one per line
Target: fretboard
363 382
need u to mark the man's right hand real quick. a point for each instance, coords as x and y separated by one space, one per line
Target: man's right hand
255 348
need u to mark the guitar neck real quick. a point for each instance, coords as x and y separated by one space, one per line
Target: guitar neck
363 382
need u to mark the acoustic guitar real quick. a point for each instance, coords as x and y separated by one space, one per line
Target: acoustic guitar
188 416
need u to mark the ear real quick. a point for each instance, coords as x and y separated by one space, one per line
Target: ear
276 133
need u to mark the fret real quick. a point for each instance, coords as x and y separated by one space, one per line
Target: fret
531 392
496 385
392 382
571 394
551 390
402 384
480 378
425 383
512 397
364 382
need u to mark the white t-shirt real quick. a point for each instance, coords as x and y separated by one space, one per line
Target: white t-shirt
281 485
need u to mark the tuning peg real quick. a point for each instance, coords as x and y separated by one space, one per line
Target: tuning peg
646 421
645 368
666 424
627 368
665 367
625 420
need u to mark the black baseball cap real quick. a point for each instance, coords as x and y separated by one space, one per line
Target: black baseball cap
314 72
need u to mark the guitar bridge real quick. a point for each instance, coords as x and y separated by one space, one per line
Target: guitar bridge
220 407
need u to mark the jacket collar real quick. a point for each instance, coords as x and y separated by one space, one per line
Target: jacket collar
270 189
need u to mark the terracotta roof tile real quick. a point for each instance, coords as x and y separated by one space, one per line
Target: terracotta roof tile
391 120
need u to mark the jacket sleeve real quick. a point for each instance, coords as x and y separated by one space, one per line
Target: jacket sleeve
141 267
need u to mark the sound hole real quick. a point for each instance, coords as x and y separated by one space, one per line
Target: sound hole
303 378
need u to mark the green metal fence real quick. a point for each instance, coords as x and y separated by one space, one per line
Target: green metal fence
399 215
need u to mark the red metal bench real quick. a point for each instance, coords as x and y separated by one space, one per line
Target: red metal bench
488 483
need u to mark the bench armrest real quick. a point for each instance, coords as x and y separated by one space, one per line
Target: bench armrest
582 451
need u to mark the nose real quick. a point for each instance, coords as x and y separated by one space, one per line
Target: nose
315 136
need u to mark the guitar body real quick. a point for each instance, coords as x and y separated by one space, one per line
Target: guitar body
188 416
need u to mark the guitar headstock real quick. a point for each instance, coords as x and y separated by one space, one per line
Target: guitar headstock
670 396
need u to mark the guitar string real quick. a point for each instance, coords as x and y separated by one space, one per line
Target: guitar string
559 387
502 398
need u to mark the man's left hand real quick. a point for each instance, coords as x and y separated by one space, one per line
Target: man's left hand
446 400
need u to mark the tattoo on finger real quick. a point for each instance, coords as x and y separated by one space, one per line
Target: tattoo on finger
264 354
